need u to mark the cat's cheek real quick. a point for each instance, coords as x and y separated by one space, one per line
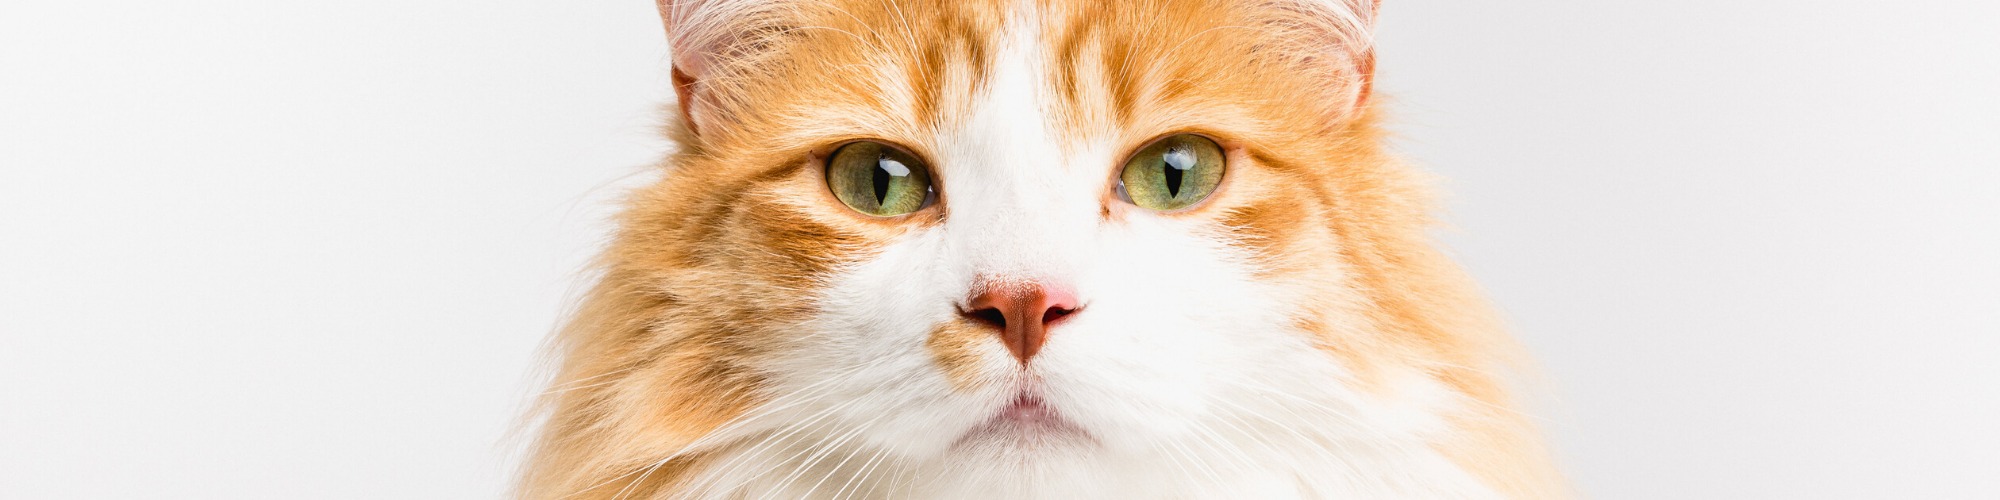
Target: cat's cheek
1173 315
902 367
962 352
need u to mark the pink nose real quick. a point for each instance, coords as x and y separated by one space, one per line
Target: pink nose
1022 313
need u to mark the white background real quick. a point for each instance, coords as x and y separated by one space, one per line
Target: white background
255 249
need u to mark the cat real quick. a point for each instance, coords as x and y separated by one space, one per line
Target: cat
1030 249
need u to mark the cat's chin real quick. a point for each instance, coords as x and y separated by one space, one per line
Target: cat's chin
1025 424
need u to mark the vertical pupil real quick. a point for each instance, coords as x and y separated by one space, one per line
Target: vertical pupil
1177 161
880 178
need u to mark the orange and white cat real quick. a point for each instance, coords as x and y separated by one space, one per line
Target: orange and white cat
1017 249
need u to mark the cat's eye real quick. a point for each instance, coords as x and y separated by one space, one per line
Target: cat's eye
1172 173
878 179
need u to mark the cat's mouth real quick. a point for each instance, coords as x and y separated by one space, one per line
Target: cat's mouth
1027 421
1029 411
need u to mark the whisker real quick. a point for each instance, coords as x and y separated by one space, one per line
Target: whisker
867 469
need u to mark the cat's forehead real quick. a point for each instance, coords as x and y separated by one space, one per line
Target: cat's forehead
795 72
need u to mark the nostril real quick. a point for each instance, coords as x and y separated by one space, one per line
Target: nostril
1055 313
990 316
1020 313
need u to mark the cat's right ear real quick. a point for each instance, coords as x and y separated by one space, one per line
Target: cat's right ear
690 58
700 34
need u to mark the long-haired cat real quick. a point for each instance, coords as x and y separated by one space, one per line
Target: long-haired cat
968 249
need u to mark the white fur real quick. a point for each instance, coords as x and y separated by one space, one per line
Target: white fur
1181 367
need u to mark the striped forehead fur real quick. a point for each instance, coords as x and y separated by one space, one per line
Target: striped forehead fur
740 52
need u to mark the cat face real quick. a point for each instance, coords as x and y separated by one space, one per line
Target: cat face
1027 248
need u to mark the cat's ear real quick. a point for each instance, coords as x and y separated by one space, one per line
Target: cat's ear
1338 43
1365 61
701 34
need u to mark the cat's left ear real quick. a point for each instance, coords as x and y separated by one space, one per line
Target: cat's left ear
1336 40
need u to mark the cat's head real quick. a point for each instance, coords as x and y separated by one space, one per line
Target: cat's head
1024 240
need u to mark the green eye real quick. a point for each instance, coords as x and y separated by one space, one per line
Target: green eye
878 179
1173 173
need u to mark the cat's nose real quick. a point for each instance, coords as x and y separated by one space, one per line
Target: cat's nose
1021 313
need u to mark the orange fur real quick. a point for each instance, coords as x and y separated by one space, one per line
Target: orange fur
709 268
954 345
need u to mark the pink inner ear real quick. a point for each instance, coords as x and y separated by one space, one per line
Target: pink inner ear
1366 63
683 91
696 30
1366 67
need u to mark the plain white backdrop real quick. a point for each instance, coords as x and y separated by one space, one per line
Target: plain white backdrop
255 249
